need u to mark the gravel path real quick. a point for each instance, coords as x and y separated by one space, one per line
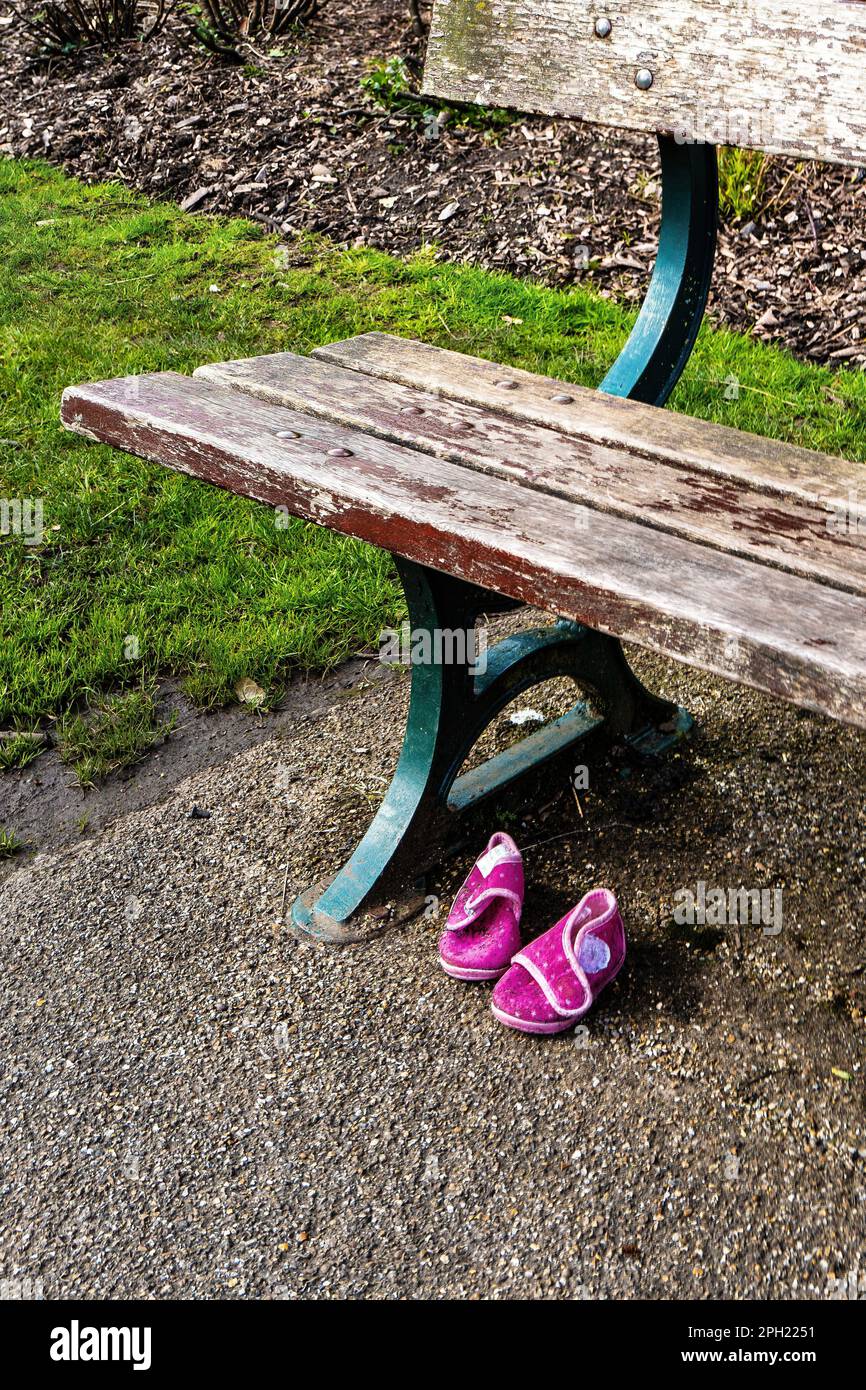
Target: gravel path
196 1103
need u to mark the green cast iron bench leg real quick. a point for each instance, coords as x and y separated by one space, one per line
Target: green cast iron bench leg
450 708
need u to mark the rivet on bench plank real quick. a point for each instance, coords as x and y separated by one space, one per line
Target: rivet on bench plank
507 385
643 79
288 434
563 400
340 453
603 28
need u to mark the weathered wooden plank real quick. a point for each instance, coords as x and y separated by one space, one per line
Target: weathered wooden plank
787 76
646 431
782 634
732 517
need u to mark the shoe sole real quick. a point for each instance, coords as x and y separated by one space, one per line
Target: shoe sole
523 1025
460 972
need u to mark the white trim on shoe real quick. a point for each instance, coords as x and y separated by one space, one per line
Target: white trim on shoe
525 1025
543 984
486 895
463 972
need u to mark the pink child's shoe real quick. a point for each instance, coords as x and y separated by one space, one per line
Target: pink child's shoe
556 978
483 928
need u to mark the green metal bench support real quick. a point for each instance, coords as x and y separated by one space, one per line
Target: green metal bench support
449 706
661 342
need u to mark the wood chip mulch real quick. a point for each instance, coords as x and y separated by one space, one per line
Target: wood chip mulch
288 138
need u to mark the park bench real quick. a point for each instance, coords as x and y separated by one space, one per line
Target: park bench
493 487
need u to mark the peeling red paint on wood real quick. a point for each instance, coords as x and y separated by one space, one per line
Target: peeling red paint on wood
801 640
643 431
602 470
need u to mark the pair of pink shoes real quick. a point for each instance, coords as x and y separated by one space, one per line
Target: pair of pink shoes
552 982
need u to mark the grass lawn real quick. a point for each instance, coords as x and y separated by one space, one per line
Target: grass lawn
144 572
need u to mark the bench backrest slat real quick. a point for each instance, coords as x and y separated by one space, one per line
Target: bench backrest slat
786 76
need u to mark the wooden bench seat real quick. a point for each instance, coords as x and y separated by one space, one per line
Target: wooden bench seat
696 541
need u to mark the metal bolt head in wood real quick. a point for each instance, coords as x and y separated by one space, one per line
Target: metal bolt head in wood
603 28
643 79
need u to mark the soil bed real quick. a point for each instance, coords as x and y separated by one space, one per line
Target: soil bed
290 139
